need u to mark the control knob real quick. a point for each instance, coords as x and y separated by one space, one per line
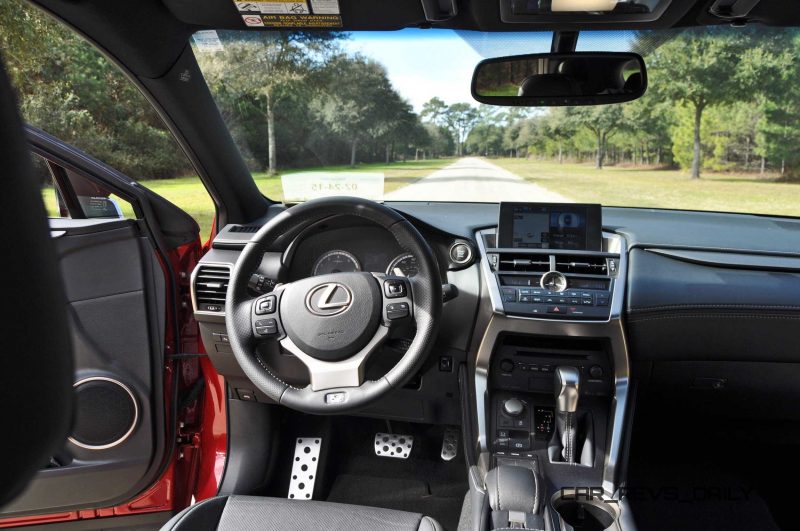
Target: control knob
513 407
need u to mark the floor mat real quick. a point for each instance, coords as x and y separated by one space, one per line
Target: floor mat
711 484
400 494
423 483
696 498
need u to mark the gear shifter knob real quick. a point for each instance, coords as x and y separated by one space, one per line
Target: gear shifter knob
567 380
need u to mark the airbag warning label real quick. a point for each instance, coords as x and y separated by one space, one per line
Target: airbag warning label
302 21
283 14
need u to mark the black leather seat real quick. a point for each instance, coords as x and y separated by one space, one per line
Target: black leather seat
251 513
36 366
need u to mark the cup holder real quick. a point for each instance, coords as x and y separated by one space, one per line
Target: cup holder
582 514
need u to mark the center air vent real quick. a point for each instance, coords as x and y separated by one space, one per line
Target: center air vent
210 287
583 265
524 262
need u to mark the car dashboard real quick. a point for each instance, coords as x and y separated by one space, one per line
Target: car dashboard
670 311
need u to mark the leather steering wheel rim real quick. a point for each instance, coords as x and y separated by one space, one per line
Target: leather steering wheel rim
424 295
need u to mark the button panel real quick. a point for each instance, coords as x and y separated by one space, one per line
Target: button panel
569 304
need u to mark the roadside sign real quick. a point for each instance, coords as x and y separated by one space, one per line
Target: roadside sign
303 186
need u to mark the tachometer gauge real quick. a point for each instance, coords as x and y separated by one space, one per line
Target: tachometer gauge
336 262
404 265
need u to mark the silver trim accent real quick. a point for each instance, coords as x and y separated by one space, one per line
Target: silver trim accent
612 329
394 445
337 374
324 307
304 468
553 273
467 260
135 414
567 389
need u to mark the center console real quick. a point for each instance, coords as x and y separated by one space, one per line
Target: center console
551 373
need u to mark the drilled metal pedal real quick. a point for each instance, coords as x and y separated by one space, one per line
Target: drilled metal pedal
450 444
391 445
304 468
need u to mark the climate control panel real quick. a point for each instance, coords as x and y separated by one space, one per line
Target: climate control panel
574 304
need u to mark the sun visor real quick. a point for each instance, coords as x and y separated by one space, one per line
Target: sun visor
577 11
299 14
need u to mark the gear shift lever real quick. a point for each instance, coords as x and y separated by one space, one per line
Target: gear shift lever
568 381
567 386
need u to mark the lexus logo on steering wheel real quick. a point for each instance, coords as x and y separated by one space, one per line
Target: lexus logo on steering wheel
329 299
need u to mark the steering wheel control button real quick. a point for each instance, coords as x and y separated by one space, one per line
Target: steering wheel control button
460 253
397 310
266 327
335 398
265 305
394 288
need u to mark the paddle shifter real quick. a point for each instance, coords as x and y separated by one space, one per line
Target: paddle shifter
567 384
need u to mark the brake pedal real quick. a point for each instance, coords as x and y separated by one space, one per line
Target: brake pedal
450 444
304 467
391 445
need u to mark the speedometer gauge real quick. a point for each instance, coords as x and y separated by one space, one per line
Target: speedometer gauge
336 262
404 265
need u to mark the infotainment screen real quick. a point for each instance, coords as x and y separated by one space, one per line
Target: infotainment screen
568 226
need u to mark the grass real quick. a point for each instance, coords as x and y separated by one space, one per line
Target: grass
189 194
725 192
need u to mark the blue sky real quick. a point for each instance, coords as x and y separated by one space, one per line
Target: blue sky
427 63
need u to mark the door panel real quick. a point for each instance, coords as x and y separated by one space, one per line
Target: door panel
116 292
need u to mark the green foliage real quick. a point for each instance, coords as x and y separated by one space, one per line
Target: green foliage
296 99
71 91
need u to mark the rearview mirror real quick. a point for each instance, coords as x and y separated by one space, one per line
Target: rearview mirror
553 79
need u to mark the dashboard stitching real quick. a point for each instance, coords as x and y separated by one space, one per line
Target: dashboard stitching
715 316
712 306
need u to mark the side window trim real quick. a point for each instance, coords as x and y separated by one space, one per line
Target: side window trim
66 196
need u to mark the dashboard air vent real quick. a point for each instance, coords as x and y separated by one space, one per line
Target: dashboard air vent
524 262
583 265
244 228
211 286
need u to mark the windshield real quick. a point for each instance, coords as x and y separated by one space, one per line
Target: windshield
389 116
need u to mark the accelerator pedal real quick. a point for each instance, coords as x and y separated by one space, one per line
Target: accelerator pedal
391 445
450 444
304 468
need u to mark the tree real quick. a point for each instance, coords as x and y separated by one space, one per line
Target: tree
460 119
265 67
434 111
485 139
560 129
363 108
602 121
709 67
70 90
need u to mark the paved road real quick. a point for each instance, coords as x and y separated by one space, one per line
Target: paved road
474 180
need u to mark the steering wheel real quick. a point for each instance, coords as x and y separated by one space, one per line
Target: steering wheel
332 323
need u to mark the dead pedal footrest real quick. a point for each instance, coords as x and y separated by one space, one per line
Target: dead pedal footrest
391 445
450 444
